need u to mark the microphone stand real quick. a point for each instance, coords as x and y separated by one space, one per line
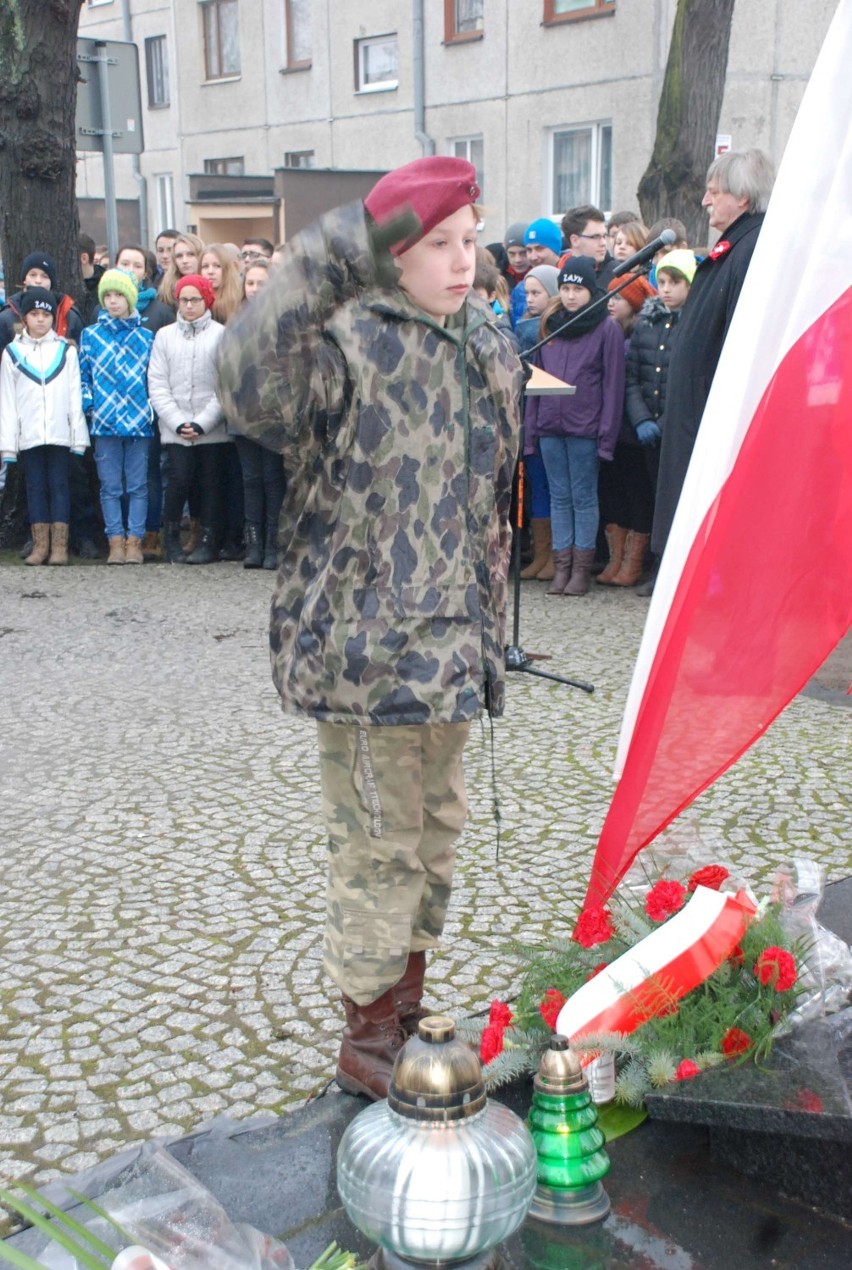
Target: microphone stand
516 658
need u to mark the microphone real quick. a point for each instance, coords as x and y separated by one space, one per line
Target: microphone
666 238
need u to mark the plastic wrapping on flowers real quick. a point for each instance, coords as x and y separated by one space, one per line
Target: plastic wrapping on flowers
156 1216
785 969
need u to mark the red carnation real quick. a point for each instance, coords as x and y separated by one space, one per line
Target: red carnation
807 1100
736 1042
551 1005
777 967
491 1044
500 1015
711 876
594 926
687 1069
664 899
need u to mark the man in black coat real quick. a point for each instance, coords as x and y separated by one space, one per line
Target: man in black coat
738 187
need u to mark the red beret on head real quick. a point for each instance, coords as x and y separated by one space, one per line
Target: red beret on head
202 285
433 188
635 293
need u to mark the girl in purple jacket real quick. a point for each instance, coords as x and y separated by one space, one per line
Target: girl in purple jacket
575 432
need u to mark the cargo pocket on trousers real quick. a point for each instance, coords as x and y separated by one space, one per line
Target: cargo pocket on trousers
375 948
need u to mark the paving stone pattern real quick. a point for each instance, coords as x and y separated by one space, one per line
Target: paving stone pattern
162 893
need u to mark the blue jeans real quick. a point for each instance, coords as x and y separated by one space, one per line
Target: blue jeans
571 464
123 464
155 486
540 493
46 470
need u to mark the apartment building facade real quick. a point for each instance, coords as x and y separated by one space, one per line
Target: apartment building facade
554 101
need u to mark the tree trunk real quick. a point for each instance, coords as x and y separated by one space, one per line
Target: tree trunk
688 115
38 98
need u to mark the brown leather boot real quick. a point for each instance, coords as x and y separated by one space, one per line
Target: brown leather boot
408 994
372 1039
133 550
616 537
58 543
41 544
152 548
581 571
541 548
116 550
562 560
634 558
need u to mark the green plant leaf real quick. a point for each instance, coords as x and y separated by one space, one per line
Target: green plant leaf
55 1231
101 1212
616 1120
77 1228
19 1259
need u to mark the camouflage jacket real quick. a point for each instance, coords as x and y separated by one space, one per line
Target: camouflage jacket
399 439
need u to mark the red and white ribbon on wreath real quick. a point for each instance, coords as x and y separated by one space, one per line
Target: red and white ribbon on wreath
665 965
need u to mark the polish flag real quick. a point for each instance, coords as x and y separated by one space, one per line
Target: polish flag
755 587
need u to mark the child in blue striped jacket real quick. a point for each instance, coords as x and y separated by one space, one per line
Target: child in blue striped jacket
114 356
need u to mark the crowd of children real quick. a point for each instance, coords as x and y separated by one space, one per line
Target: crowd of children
142 394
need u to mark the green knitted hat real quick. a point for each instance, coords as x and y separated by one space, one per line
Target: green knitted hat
121 281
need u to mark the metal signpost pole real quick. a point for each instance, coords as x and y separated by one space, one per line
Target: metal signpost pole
109 164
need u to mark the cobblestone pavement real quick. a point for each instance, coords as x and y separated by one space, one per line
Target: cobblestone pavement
163 892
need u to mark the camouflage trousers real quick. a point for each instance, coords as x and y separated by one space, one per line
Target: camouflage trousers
394 804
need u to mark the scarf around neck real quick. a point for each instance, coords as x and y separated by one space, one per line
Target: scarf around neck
584 320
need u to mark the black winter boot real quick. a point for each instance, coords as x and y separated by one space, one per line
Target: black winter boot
270 551
254 555
171 543
207 551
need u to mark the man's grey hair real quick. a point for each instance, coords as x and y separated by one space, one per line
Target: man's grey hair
745 174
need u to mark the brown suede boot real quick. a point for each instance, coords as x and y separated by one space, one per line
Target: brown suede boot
408 994
41 544
541 548
616 537
634 558
581 571
116 550
152 548
58 543
133 550
372 1039
562 572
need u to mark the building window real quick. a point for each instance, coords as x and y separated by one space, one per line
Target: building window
225 167
165 193
221 38
472 149
157 67
376 64
299 159
581 167
462 20
568 10
297 19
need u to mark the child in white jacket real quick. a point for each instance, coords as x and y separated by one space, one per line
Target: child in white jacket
41 418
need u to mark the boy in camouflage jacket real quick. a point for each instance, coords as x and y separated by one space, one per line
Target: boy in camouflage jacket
395 404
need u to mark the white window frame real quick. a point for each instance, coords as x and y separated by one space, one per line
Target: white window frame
96 4
383 85
595 195
289 155
453 145
164 184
